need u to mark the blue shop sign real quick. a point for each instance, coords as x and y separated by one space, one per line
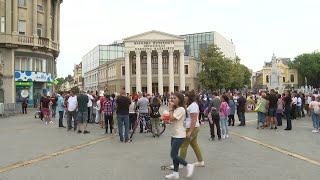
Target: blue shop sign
32 76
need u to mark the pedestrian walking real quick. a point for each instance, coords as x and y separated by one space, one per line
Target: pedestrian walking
154 110
132 114
108 114
280 109
232 106
89 106
24 105
192 123
288 104
261 109
60 108
223 113
72 105
314 107
82 113
214 117
177 116
53 100
44 106
123 103
241 106
143 111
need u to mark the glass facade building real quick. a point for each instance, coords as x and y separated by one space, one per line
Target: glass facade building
100 55
195 42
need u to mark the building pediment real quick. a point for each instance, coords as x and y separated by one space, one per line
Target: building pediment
153 35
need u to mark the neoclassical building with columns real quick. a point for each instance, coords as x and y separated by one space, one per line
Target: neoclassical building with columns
154 63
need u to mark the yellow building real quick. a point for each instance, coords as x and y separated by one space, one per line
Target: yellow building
288 77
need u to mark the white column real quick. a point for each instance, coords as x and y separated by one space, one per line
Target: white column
160 73
171 72
49 20
127 71
138 72
149 73
34 17
182 73
14 17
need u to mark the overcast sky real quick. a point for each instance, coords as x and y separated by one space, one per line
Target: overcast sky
257 27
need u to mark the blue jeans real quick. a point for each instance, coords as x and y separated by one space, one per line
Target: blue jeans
123 123
279 119
261 118
242 117
224 126
175 146
315 120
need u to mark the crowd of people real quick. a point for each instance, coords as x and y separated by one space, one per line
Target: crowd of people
273 106
187 111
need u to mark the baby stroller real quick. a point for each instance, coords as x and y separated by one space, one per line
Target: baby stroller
38 114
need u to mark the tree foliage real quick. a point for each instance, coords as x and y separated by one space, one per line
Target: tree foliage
308 66
219 72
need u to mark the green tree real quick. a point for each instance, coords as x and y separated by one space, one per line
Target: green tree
219 72
240 76
216 68
308 66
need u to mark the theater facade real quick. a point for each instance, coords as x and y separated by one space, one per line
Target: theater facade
152 62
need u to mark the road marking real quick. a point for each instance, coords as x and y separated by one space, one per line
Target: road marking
52 155
278 149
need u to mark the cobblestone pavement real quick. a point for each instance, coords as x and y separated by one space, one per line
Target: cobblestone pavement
31 150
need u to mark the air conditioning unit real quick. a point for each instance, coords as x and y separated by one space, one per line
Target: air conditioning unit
1 109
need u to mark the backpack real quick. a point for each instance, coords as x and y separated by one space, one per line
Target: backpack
155 113
226 109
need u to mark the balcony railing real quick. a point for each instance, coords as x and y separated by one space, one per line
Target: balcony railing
28 41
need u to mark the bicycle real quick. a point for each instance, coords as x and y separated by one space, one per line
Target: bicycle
147 125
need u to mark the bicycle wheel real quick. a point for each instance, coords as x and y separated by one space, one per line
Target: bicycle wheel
136 123
162 126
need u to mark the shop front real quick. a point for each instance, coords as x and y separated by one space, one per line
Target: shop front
32 85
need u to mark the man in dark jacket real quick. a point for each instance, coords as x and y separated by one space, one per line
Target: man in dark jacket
241 106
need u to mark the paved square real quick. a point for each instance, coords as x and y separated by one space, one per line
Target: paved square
31 150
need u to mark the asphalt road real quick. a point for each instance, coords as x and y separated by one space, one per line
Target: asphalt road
31 150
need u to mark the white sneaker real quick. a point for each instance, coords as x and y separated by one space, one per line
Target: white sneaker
46 123
227 136
51 122
199 164
174 175
190 169
315 131
223 136
172 167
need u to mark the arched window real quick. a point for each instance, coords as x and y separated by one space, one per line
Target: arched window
267 78
292 78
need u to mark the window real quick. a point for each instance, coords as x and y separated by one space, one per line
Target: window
123 71
283 79
267 78
2 24
22 27
22 3
39 30
292 78
186 69
40 8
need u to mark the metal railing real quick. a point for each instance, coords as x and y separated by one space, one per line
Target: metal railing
28 41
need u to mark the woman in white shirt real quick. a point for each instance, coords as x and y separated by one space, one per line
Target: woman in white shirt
192 125
177 117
